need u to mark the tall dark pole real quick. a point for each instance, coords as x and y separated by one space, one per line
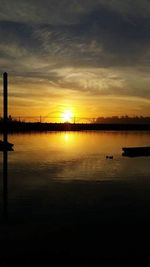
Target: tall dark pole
5 139
5 104
5 184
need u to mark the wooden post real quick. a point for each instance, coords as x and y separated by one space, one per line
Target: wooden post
5 139
5 184
5 104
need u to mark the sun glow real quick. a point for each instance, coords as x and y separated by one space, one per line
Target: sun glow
67 116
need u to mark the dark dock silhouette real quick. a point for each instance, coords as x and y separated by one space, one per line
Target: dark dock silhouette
136 151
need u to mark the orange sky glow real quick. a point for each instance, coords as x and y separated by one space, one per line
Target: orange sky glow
89 58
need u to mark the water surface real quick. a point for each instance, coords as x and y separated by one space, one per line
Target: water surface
41 158
65 197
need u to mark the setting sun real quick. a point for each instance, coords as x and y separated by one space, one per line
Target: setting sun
67 116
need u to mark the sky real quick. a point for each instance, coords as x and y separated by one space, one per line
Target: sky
88 57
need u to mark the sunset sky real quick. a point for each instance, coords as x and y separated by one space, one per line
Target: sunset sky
87 57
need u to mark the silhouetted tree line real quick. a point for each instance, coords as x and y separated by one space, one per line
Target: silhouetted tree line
104 120
115 123
123 120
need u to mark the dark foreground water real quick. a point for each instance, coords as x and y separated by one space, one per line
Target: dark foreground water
68 204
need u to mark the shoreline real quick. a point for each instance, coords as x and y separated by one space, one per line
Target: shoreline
46 127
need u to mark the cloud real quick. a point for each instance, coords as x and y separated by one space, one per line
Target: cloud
45 11
93 48
102 36
65 11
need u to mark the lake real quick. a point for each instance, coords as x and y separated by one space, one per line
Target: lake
65 197
40 158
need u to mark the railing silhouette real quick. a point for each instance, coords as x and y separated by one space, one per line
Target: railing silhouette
53 119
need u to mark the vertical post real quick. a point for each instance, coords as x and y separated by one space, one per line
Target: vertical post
5 184
5 104
5 153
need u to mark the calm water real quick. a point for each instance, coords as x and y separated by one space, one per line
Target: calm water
40 159
51 217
